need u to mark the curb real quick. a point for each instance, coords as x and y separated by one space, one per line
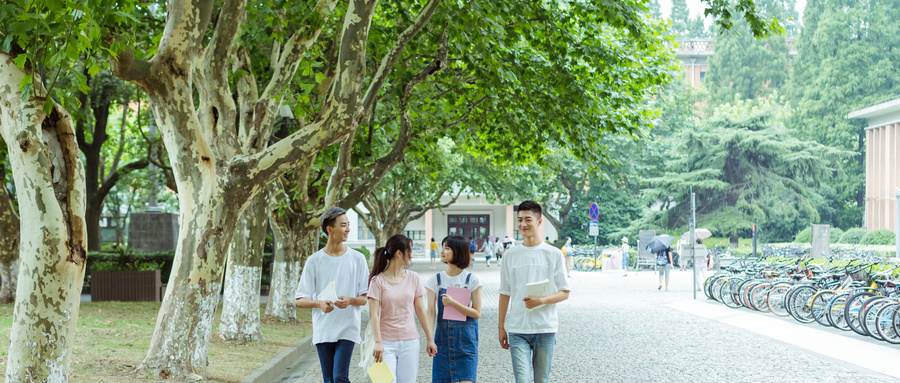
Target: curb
275 367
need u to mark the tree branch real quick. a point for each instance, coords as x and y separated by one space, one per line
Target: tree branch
393 54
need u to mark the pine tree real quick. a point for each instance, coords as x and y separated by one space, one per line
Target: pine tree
747 168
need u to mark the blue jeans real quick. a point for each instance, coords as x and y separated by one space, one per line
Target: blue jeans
531 351
334 357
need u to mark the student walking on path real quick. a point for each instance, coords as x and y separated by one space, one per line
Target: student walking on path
337 322
664 264
528 323
457 340
434 252
624 251
394 295
488 249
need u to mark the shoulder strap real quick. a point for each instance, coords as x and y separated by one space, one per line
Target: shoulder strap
439 279
468 277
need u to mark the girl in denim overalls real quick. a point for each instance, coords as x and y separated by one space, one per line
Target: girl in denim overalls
457 341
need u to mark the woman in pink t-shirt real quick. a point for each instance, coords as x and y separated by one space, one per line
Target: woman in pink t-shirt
394 294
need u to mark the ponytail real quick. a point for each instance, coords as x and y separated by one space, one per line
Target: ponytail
383 255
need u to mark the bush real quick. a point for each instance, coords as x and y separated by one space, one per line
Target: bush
836 234
804 236
853 236
878 237
162 260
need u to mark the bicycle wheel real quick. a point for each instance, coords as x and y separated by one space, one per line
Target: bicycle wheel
775 299
868 316
707 284
853 308
728 292
716 289
743 292
884 322
758 297
835 312
798 302
818 305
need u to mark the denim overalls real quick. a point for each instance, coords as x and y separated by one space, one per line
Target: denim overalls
457 342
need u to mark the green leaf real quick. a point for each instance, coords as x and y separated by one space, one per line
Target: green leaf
20 61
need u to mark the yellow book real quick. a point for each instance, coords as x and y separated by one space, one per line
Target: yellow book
380 373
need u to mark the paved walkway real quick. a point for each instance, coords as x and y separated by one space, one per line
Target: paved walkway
622 329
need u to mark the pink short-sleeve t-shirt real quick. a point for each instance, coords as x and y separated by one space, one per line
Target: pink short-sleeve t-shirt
397 305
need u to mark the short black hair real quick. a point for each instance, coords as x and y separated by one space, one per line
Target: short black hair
329 216
530 206
460 249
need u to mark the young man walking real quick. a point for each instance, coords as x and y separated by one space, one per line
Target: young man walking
528 324
336 323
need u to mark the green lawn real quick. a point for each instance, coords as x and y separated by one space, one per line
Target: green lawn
113 337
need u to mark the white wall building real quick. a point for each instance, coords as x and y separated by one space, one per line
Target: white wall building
469 216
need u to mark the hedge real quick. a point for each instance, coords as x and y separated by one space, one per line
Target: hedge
139 260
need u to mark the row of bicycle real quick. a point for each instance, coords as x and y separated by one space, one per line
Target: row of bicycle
851 296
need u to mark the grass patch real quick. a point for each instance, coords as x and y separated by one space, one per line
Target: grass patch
113 337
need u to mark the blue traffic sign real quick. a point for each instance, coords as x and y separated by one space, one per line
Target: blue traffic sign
594 211
594 222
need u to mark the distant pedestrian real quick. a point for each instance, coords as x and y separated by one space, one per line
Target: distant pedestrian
569 257
457 340
663 265
624 250
394 295
335 332
473 247
528 324
434 252
488 249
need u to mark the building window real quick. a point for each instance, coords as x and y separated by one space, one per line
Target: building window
518 235
415 235
364 232
702 76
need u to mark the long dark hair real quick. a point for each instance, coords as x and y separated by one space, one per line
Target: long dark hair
460 249
384 254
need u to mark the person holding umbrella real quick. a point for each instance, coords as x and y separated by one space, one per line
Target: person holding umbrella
660 245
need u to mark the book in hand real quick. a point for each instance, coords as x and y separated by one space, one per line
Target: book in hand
538 289
380 373
460 295
328 293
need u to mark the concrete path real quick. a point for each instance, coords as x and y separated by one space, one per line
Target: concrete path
617 328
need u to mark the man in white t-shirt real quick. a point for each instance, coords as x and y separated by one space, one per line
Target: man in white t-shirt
528 324
336 323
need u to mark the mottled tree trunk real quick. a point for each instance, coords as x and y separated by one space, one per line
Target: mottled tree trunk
49 179
292 248
240 310
9 246
188 85
180 340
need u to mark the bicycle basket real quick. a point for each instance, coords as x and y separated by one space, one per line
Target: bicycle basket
859 275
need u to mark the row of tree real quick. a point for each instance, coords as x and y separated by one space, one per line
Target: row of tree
271 111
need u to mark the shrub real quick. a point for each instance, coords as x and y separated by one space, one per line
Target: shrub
836 234
853 236
878 237
804 236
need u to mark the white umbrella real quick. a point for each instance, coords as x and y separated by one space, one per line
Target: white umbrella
698 233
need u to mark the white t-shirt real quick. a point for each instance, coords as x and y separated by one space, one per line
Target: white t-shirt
350 273
457 281
522 265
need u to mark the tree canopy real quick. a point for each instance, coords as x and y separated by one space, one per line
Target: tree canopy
747 168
